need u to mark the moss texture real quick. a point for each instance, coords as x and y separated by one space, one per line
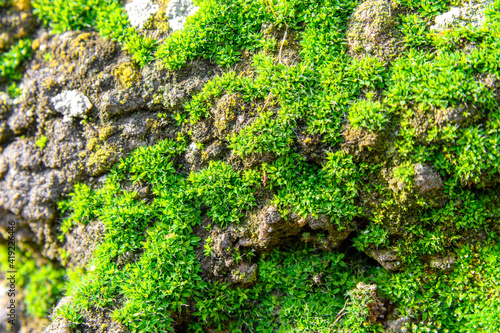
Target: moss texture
340 172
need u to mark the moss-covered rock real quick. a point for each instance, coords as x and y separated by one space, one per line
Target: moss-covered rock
270 167
372 30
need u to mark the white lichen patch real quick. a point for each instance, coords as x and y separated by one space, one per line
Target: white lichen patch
472 13
72 104
178 11
139 11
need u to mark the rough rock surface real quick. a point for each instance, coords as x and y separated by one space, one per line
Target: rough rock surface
16 24
59 325
427 179
370 30
178 11
139 11
472 12
33 179
386 257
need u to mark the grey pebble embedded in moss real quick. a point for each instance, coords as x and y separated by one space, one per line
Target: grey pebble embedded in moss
139 11
178 11
471 13
72 104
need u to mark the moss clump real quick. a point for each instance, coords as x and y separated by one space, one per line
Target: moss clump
101 159
11 61
40 282
367 114
41 142
225 112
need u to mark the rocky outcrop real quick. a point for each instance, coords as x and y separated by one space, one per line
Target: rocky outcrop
370 30
77 101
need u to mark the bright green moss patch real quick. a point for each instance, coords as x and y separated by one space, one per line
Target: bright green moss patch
148 253
107 17
40 285
75 15
227 192
461 301
41 142
434 106
11 60
230 83
367 114
306 189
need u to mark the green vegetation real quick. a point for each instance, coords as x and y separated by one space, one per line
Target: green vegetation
225 191
41 284
11 61
148 254
367 114
462 301
308 190
435 102
41 142
108 17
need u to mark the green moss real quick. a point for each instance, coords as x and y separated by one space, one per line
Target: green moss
457 301
40 282
367 114
225 191
41 142
429 105
126 74
11 60
306 190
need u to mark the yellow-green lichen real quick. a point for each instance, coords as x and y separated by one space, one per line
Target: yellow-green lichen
126 74
225 112
371 30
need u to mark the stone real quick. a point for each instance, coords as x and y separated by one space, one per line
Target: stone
139 11
178 11
72 104
397 325
427 179
472 13
59 325
245 274
387 258
444 263
370 30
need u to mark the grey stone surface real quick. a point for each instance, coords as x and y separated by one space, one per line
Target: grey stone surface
387 258
178 11
139 11
72 104
427 179
471 13
33 179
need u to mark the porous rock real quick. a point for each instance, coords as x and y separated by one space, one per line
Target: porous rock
72 104
427 179
59 325
178 11
471 13
387 258
267 227
371 31
139 11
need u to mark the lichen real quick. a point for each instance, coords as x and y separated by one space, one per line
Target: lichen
371 30
127 75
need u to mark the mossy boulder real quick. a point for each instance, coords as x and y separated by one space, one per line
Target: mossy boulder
372 30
